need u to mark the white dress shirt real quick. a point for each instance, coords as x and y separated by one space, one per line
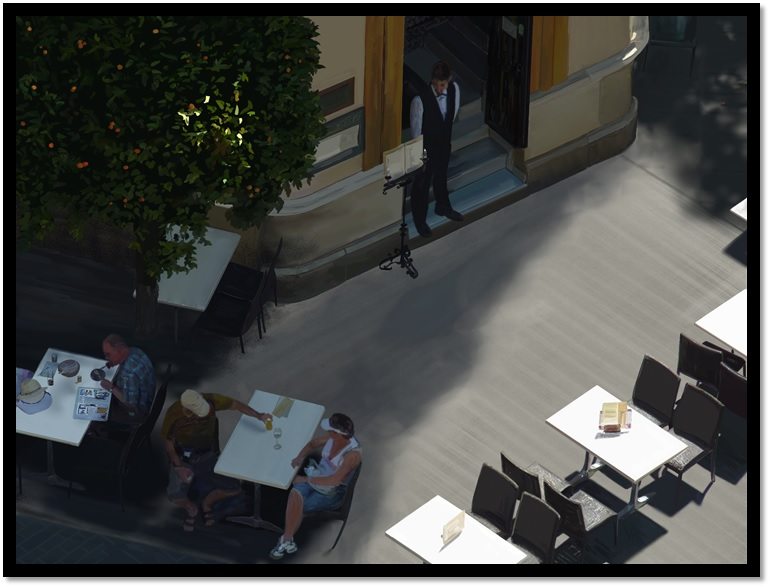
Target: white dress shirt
416 109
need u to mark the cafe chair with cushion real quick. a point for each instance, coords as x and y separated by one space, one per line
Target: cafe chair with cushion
232 316
699 362
733 391
733 360
100 459
531 478
342 512
494 501
655 391
696 423
580 514
536 528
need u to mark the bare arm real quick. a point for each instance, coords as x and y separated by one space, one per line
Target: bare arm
314 444
349 462
244 409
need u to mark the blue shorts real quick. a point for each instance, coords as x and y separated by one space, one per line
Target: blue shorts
313 501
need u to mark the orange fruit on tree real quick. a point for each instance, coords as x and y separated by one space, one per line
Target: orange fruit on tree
51 145
125 168
74 89
117 131
34 88
79 165
119 66
22 124
137 150
155 31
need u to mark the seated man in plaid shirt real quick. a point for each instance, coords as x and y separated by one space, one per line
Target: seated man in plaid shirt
134 383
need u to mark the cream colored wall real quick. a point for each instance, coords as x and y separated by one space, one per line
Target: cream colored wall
314 234
594 38
341 40
558 118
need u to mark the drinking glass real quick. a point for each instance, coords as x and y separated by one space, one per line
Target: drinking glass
277 434
54 357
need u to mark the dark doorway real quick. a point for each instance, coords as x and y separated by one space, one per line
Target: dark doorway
507 95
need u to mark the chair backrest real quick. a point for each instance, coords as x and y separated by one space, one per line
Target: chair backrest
255 305
344 508
144 430
656 389
536 527
524 479
572 521
733 391
698 361
270 276
697 416
495 499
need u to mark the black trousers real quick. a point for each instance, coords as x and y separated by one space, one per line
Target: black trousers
435 173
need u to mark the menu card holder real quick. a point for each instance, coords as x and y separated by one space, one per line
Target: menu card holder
283 407
614 416
453 528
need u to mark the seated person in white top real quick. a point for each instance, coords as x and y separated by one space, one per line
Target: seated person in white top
325 490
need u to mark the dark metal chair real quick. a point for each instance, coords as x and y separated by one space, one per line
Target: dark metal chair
99 457
655 391
271 285
580 514
240 281
529 479
733 360
494 501
536 528
343 511
699 362
232 316
733 391
696 423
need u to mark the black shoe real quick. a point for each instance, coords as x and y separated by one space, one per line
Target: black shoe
450 213
423 229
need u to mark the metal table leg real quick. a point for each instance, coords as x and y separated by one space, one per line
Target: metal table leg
255 520
591 464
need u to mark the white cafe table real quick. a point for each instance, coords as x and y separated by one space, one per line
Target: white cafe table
727 323
420 532
57 423
741 210
634 453
249 454
193 290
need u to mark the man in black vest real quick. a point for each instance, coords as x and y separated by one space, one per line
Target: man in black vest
431 114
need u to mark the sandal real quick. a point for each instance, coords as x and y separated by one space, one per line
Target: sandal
189 522
208 518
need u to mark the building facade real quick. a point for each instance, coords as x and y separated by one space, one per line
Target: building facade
542 98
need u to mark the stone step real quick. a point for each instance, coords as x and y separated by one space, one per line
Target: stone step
473 162
472 196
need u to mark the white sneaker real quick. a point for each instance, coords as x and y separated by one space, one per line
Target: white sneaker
282 548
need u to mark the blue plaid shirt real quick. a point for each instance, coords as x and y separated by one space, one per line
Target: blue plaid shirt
136 379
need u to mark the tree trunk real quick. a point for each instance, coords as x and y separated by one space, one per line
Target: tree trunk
146 318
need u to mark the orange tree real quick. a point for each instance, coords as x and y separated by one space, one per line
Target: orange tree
145 122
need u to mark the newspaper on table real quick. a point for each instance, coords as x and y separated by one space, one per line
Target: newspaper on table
92 403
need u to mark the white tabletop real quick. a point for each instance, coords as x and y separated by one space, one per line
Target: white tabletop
728 323
249 454
633 453
193 290
57 423
420 532
741 210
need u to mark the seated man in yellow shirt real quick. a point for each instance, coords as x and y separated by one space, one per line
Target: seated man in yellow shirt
190 433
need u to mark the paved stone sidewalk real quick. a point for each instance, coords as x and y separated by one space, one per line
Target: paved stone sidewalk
39 541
